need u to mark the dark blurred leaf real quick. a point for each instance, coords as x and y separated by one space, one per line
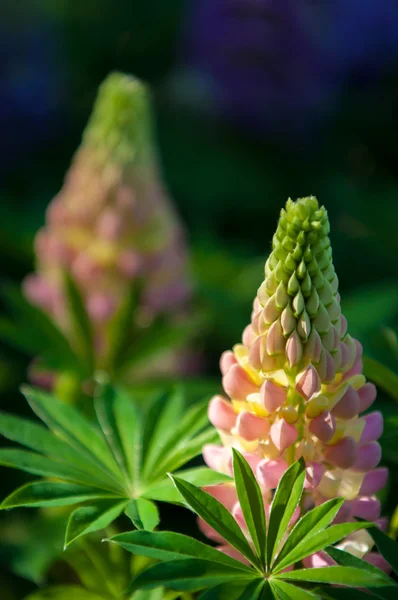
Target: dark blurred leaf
382 376
80 322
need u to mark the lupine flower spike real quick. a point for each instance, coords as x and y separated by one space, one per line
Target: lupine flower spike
295 385
112 222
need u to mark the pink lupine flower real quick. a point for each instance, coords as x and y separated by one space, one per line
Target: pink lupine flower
294 387
112 223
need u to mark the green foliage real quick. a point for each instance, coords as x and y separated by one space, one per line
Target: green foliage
118 464
34 332
189 565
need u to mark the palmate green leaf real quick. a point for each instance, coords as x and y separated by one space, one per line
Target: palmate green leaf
217 516
35 436
284 503
164 423
64 592
387 547
251 502
67 422
143 513
87 519
51 493
165 490
177 438
346 559
129 424
231 591
350 576
187 450
30 462
102 464
105 399
80 322
237 591
311 523
41 333
341 593
188 574
319 541
166 545
287 591
157 594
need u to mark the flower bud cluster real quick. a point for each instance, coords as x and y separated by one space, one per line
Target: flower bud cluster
295 385
112 221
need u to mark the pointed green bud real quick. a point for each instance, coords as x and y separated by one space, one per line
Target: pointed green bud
120 125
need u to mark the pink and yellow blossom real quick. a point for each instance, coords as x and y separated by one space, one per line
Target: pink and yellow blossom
294 387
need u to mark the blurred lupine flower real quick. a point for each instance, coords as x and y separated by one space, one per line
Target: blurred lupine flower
112 224
296 387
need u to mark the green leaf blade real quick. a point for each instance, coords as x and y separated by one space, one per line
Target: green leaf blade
87 519
187 575
287 591
214 513
386 546
76 430
51 493
311 523
166 545
318 542
80 322
285 501
349 576
165 490
251 502
143 514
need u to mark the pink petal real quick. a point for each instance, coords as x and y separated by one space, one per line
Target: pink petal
309 383
269 472
251 427
224 493
248 336
344 515
373 427
237 383
374 481
313 476
368 458
129 263
258 357
233 553
343 454
226 361
216 457
323 427
317 560
252 459
367 395
209 532
366 507
237 514
101 307
272 396
330 367
221 413
348 406
375 559
283 434
294 349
